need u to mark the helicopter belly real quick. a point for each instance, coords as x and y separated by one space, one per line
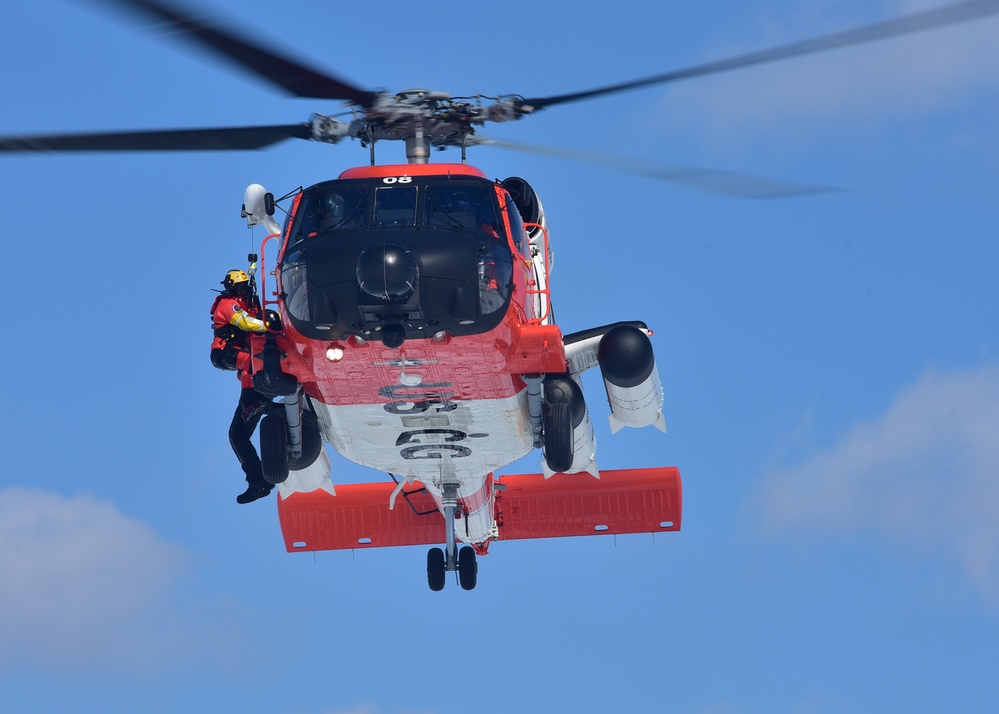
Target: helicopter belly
473 437
460 443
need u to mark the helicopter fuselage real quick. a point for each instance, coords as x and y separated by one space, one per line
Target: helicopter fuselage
412 314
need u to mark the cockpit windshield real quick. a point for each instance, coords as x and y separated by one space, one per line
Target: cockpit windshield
324 211
461 207
357 204
355 243
395 206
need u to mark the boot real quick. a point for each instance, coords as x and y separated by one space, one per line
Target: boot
252 493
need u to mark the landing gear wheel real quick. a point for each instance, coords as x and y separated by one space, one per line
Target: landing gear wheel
557 432
435 569
312 443
274 448
468 568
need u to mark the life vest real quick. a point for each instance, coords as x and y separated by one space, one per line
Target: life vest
232 317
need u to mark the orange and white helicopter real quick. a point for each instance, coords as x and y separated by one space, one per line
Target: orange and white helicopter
417 334
418 340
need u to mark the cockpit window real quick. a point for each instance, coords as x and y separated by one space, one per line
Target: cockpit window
459 273
328 211
395 207
336 206
520 239
462 207
495 269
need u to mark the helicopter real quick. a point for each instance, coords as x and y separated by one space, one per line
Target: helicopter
418 335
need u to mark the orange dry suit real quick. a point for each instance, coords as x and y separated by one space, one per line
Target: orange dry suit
232 318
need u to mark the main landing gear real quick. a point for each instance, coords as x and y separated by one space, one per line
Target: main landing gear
438 566
440 563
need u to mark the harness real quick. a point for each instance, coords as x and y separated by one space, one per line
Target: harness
227 333
229 340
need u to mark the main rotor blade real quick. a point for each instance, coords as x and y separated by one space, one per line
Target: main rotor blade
726 183
908 24
224 139
292 76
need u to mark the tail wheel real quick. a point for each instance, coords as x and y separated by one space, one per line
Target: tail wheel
557 434
468 568
274 448
435 569
312 443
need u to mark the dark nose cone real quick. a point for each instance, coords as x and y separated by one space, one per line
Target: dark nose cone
387 272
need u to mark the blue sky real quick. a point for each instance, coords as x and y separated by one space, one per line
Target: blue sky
830 363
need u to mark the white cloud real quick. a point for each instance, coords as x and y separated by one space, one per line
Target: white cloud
846 88
924 474
85 588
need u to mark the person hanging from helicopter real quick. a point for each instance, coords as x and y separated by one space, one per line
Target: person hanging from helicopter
236 313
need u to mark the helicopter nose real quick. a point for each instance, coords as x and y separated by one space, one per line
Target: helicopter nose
387 272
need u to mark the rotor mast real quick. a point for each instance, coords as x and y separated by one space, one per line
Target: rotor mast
418 148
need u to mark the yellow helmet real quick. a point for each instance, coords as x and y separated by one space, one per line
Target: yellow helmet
234 278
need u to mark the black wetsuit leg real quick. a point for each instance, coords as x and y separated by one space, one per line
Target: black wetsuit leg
252 405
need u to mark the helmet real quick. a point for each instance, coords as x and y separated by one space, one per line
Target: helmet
331 205
458 202
234 279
